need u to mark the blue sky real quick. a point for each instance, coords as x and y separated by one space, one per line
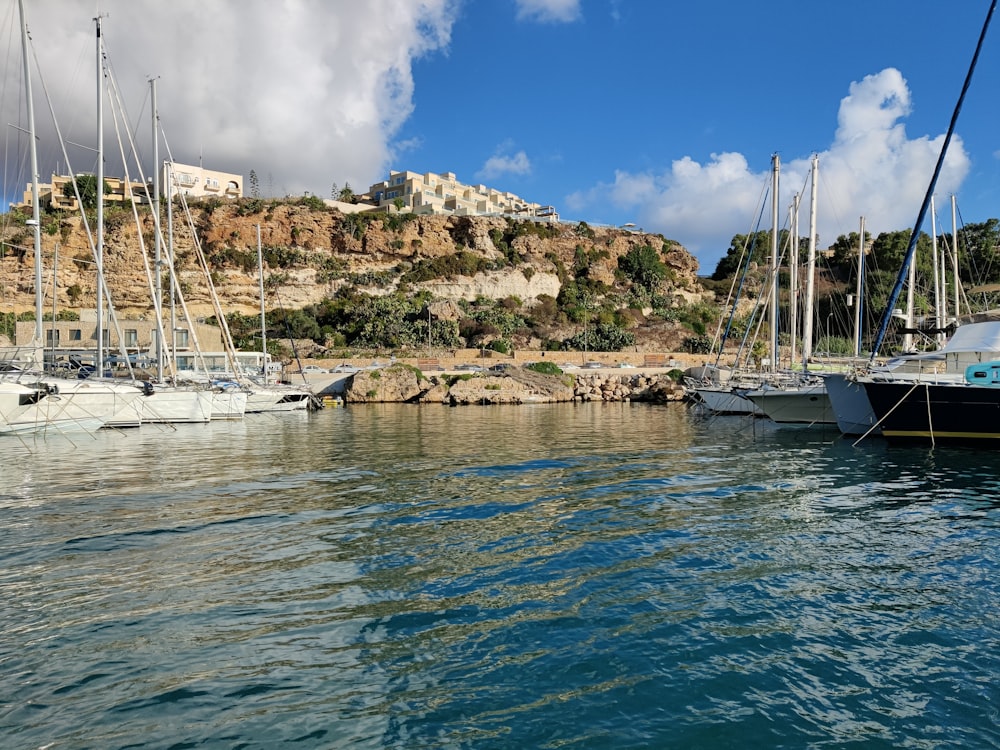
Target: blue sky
659 113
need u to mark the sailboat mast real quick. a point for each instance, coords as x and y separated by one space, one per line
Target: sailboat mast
938 272
859 289
168 174
263 322
911 282
99 253
33 150
793 274
157 261
807 326
775 169
954 258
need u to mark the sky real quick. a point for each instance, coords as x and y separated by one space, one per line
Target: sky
657 113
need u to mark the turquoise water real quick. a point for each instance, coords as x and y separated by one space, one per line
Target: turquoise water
557 576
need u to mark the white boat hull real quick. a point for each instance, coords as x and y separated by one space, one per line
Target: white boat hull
724 400
806 405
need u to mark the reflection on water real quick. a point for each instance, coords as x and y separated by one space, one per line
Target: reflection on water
539 576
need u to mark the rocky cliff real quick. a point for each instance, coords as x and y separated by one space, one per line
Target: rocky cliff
311 251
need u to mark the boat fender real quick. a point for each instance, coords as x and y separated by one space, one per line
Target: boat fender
147 388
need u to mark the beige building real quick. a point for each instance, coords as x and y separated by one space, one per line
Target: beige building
193 182
67 337
54 193
198 182
432 193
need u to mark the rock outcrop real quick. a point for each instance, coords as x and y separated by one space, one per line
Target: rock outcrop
310 252
404 384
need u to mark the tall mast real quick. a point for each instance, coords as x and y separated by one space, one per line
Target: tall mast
807 327
33 149
859 289
793 273
775 169
99 253
168 175
263 322
954 258
936 270
157 263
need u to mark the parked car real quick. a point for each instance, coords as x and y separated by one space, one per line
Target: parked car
469 368
594 365
313 369
502 367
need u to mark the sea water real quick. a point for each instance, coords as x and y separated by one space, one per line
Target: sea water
548 576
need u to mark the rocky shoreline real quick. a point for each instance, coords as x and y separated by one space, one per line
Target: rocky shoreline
402 383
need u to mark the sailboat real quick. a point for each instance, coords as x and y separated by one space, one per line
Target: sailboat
723 390
940 407
805 400
267 397
68 405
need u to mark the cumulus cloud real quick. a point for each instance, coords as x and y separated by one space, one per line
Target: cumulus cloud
553 11
872 168
503 163
304 92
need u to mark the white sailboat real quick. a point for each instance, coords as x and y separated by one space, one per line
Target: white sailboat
68 405
723 390
267 397
806 400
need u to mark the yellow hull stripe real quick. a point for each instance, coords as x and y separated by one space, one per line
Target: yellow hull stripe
942 434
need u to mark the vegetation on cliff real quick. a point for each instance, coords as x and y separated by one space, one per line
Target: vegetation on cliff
386 280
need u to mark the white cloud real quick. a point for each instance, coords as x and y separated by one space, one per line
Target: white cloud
501 164
872 169
551 11
303 92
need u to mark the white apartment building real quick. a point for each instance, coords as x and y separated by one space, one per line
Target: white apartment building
198 182
431 193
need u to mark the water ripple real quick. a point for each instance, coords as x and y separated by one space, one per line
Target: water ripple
582 576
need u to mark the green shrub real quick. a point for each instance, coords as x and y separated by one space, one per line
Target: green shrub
545 367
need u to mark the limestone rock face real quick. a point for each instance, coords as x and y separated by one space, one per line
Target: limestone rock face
311 252
517 386
396 384
496 285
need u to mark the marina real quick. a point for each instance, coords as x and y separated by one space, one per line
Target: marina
585 575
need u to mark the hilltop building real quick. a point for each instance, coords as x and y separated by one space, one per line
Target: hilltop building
53 194
198 182
191 181
431 193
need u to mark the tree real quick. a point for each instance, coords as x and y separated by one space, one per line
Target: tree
86 184
643 266
346 194
980 252
758 246
334 191
845 252
254 185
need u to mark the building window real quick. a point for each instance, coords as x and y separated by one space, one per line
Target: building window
75 334
51 337
131 337
181 338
